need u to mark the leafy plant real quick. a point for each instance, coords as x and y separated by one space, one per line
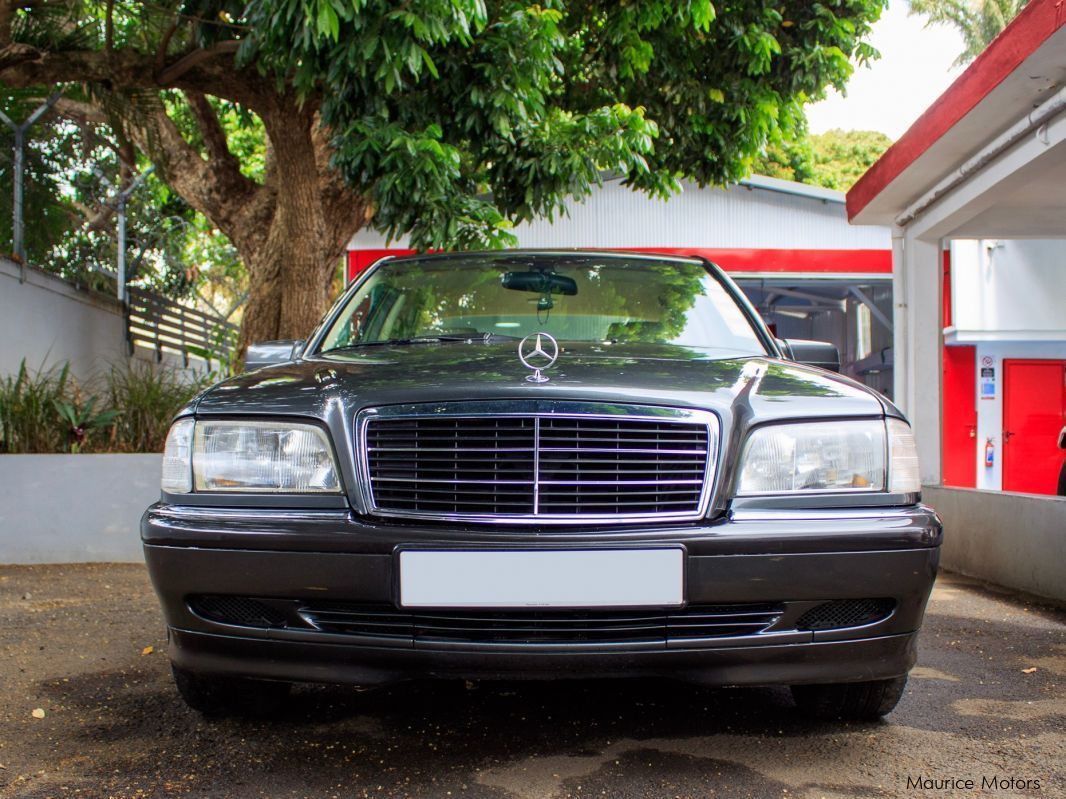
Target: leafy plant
82 419
147 396
44 410
28 418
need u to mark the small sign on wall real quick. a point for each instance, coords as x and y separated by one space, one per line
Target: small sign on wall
988 382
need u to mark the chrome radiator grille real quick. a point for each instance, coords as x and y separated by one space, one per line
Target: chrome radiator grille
541 465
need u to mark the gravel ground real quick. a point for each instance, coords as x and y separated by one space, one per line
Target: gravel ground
986 702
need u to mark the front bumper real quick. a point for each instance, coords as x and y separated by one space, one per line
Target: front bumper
798 559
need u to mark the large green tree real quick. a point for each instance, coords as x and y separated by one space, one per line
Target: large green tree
448 120
979 21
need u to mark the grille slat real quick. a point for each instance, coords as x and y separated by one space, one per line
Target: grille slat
549 626
537 466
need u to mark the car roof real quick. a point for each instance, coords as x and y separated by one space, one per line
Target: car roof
570 253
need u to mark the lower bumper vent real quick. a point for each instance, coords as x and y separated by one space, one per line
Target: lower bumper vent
239 610
521 626
561 626
845 613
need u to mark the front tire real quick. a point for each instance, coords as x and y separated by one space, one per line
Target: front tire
215 695
856 701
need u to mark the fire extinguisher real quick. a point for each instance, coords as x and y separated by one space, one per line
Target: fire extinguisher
990 453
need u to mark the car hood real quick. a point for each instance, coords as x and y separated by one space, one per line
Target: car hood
754 387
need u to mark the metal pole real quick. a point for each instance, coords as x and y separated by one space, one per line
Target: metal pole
120 278
18 223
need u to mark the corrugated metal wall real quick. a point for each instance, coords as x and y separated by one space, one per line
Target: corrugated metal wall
759 215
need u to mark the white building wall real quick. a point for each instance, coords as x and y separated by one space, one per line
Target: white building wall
1008 289
761 213
1009 301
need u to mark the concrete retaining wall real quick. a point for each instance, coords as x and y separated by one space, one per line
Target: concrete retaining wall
75 508
1013 540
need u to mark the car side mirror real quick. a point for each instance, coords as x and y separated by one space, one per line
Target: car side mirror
267 353
812 353
1062 438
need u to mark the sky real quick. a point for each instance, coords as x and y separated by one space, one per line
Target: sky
914 69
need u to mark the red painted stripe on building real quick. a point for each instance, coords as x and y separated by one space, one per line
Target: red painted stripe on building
1031 28
731 260
787 261
358 260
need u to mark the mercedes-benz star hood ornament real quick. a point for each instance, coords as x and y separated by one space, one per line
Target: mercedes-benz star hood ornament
538 351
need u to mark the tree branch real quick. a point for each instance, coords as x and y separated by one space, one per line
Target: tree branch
224 196
191 60
109 27
164 44
76 109
211 130
22 65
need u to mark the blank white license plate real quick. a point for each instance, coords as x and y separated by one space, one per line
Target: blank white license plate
551 579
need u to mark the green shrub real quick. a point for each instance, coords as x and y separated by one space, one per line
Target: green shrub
47 410
146 397
29 421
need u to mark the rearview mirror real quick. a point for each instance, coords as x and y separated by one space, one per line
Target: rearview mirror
267 353
812 353
540 282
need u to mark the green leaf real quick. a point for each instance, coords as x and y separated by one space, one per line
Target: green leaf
328 22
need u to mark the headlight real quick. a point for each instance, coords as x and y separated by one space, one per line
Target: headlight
829 457
248 456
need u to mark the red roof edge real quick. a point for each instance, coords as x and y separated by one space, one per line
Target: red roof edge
1020 39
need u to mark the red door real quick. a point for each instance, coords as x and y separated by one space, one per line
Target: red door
960 416
1034 411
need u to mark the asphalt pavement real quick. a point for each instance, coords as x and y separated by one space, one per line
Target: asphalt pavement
87 708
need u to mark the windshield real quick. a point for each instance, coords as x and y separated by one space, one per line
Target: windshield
613 299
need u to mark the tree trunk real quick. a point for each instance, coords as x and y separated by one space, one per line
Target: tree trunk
292 269
288 293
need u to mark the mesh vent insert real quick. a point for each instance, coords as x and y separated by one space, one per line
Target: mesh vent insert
240 610
845 613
